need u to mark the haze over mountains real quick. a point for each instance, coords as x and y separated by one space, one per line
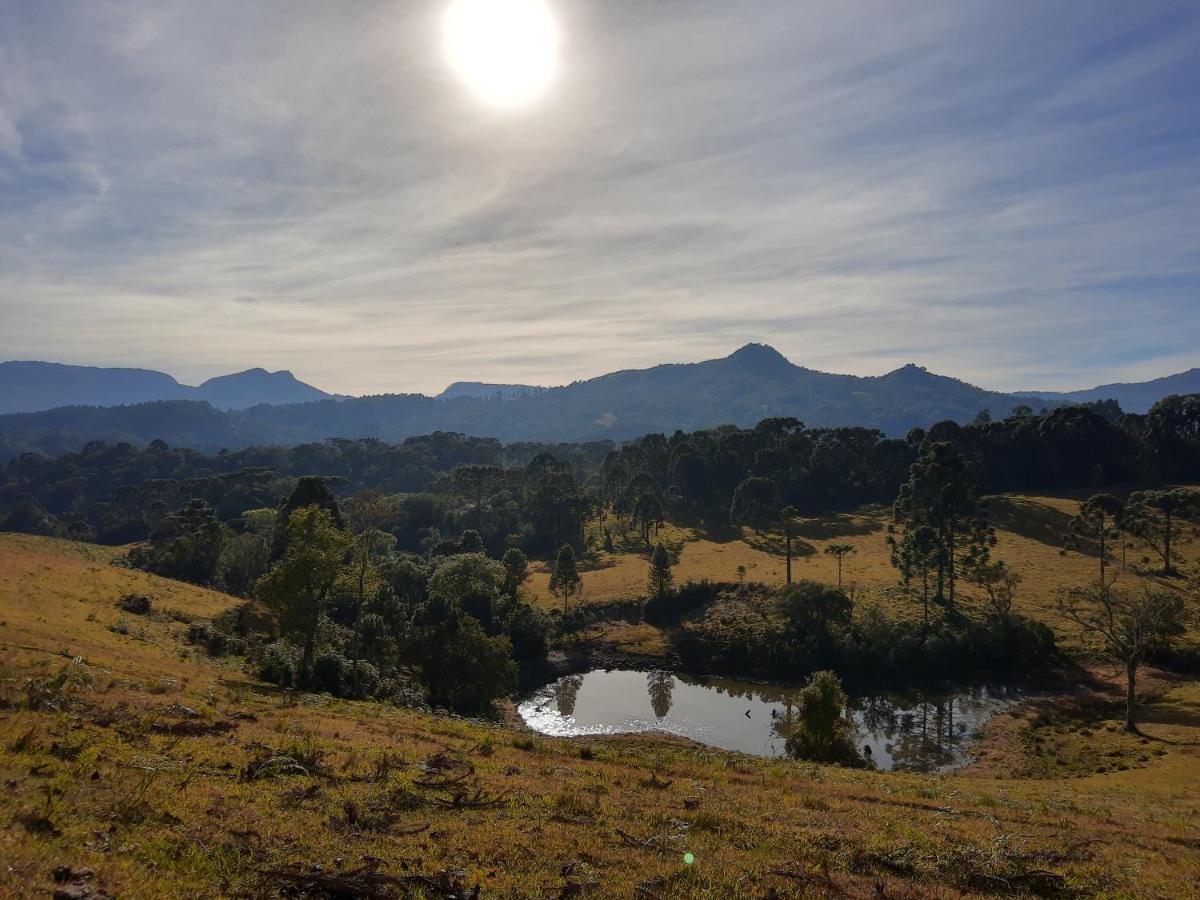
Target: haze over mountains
257 407
35 386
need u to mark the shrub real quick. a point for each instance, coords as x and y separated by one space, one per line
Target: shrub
137 604
279 664
823 733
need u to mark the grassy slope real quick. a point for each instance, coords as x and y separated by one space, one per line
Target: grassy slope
114 781
1029 533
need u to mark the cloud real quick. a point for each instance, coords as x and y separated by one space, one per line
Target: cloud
1005 198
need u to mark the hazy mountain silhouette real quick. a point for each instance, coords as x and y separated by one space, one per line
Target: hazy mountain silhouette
34 386
488 391
751 384
1136 397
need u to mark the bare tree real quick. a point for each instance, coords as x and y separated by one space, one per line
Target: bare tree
1128 626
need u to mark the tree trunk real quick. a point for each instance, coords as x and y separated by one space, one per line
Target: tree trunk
951 563
1131 697
787 535
1167 570
306 662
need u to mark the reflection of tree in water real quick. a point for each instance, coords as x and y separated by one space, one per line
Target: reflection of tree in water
927 738
566 690
660 684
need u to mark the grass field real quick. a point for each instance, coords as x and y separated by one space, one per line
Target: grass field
161 772
1029 532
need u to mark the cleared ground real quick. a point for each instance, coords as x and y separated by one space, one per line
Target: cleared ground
165 773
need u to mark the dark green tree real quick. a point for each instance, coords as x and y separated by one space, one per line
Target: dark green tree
565 580
941 494
787 521
1096 526
298 585
755 503
822 732
516 570
814 614
1154 515
310 490
660 577
840 552
916 554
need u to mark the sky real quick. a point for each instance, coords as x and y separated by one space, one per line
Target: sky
1008 193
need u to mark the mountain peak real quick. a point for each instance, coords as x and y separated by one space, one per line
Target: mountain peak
759 359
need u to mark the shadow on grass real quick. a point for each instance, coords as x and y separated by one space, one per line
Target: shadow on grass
1029 519
837 525
774 544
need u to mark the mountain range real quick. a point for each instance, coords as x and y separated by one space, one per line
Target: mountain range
257 407
36 386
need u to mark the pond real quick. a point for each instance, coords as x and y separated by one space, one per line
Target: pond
920 731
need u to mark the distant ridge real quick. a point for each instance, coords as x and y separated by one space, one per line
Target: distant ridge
27 386
753 383
480 389
1136 397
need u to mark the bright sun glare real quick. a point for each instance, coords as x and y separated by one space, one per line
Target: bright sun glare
505 50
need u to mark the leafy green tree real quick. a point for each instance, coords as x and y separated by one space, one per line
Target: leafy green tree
369 547
470 581
186 545
822 732
648 513
1096 526
298 586
755 503
565 580
516 570
840 552
660 578
476 481
1128 627
814 613
1154 515
309 491
464 668
471 542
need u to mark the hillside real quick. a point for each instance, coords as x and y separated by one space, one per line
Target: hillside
135 766
36 386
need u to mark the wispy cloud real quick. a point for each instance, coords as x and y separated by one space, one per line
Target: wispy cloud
1006 193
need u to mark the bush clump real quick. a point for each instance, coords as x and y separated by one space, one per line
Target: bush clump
137 604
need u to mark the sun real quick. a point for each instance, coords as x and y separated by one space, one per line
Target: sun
505 50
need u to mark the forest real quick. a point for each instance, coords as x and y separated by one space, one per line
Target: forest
370 554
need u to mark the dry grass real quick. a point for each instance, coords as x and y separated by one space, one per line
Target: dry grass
1029 532
390 800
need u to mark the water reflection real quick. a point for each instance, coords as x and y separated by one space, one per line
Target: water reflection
566 689
920 731
659 685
